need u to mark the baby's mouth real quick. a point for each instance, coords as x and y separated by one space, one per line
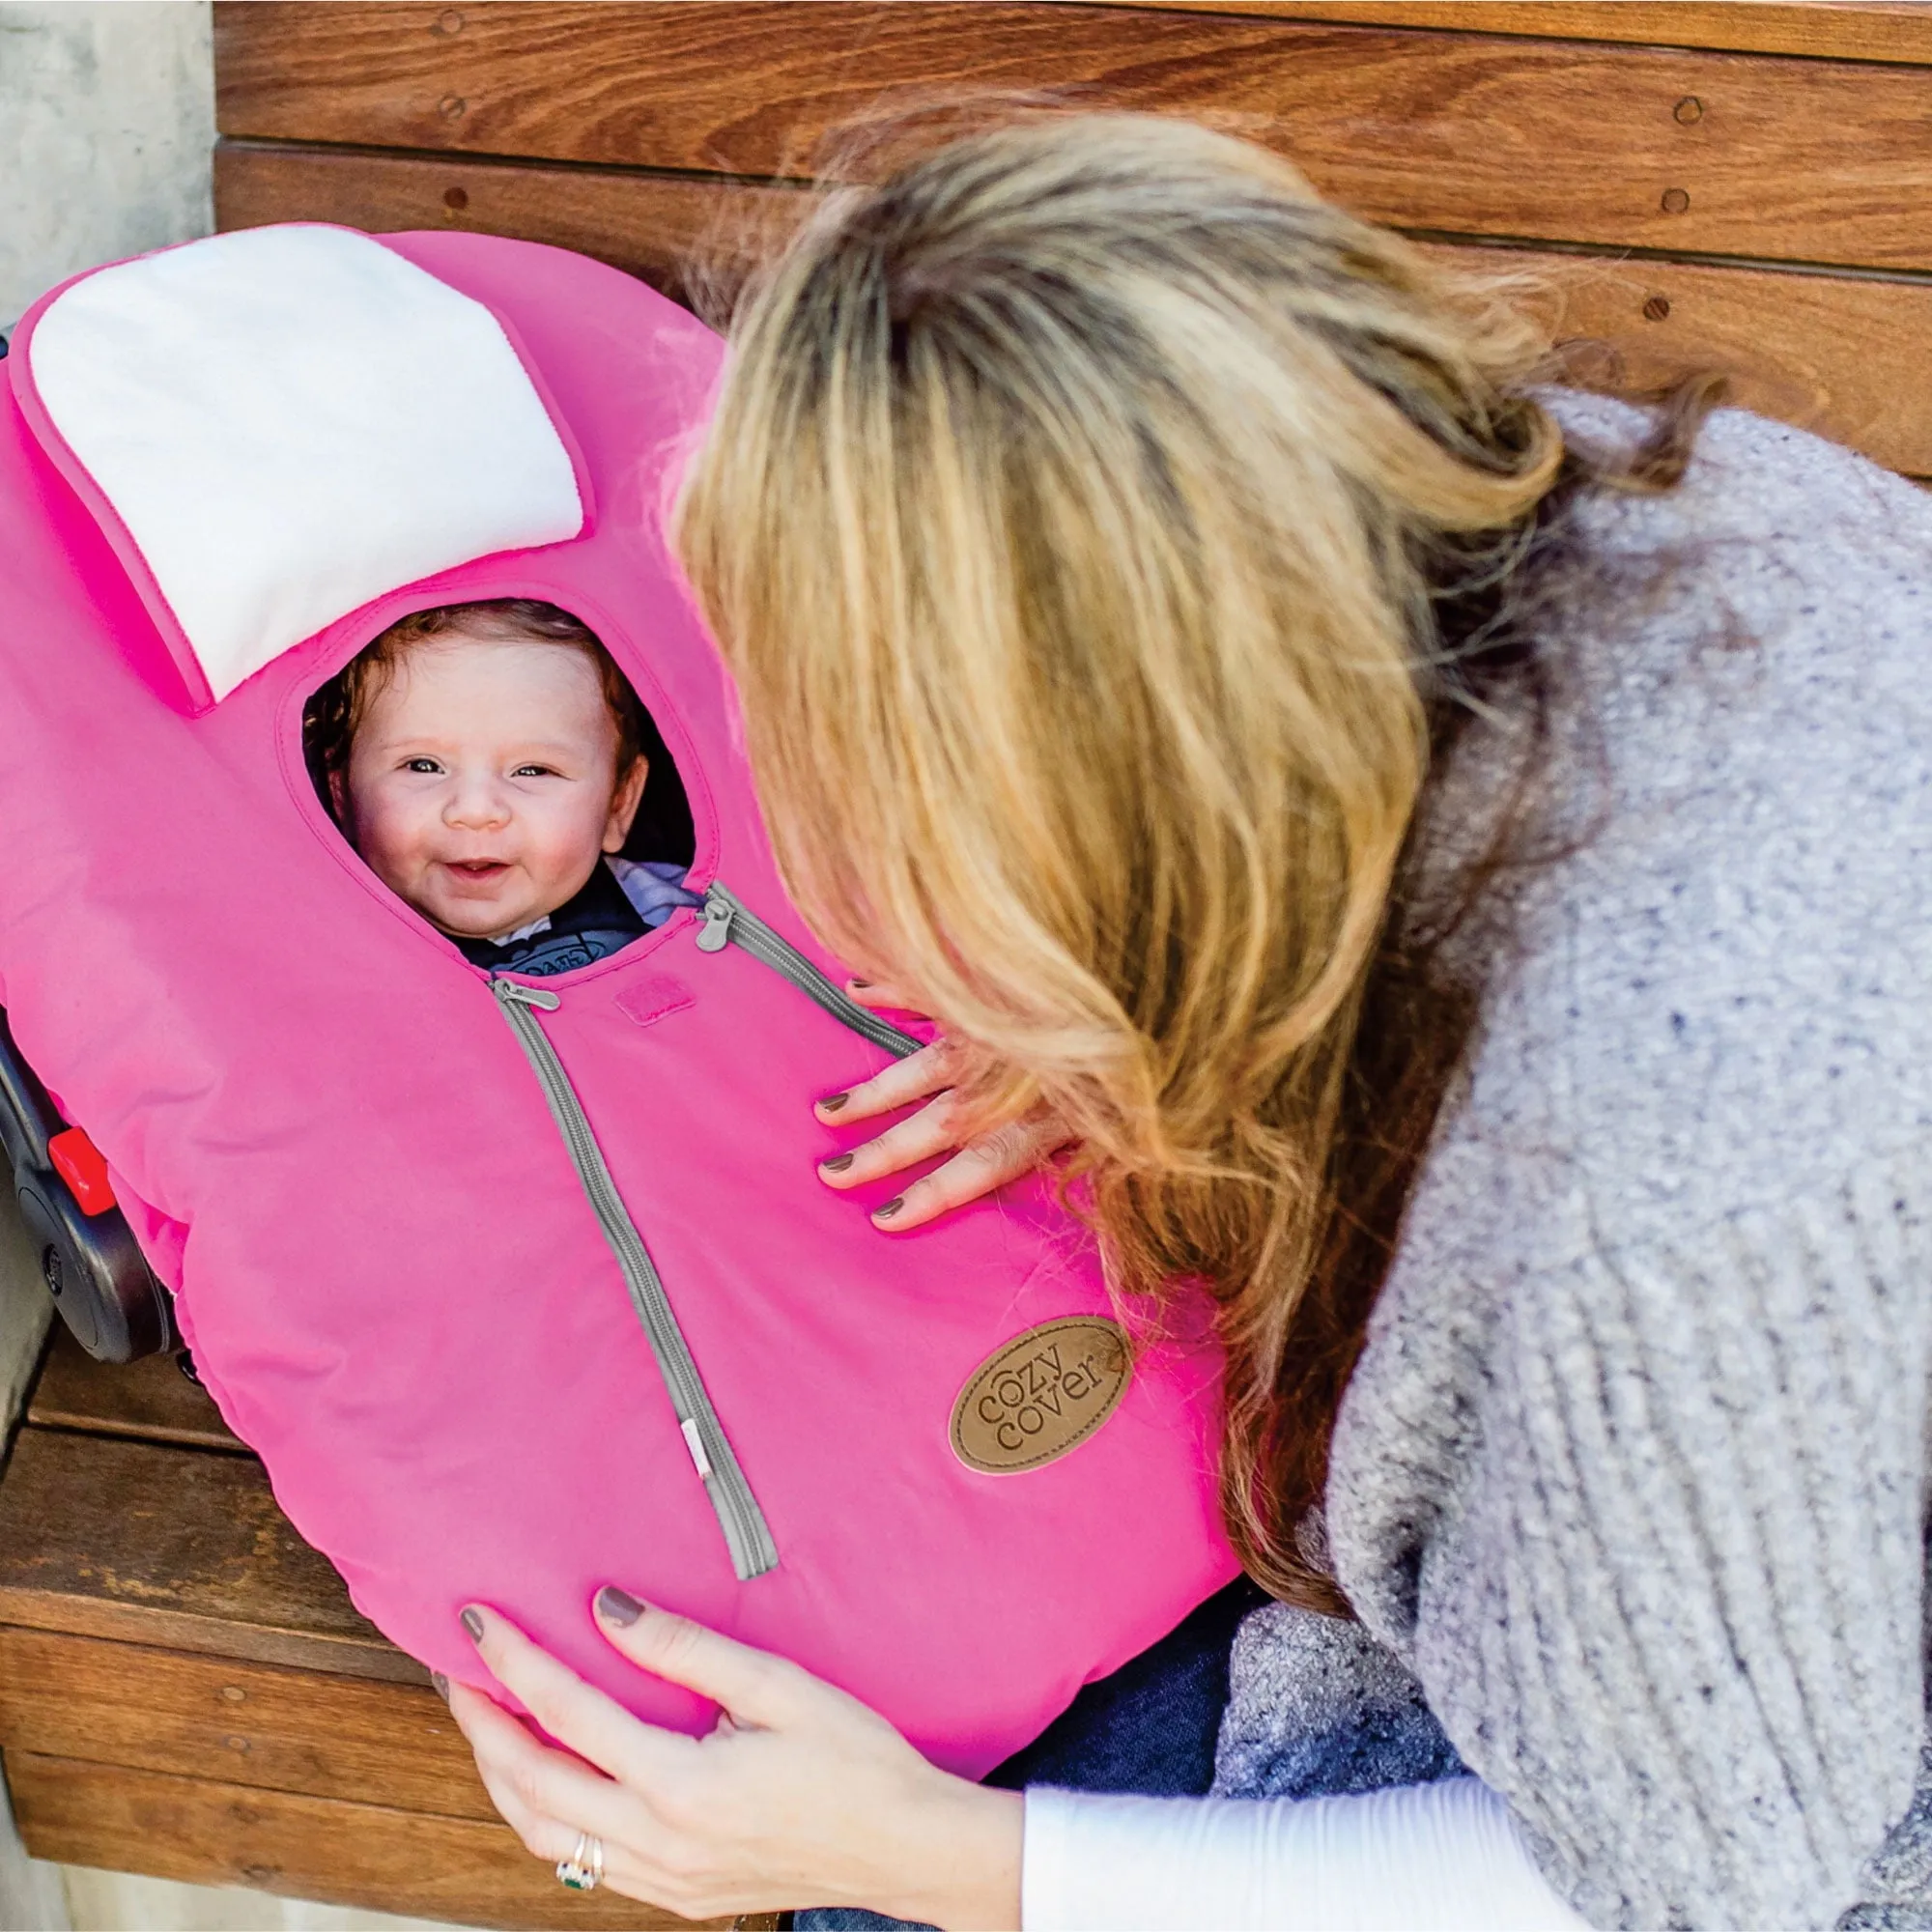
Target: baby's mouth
480 871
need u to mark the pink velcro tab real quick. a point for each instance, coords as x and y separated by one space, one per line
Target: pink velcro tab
649 999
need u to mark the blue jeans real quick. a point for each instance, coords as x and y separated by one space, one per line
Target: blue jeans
1150 1728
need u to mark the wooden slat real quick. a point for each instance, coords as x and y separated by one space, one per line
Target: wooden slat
1839 355
151 1399
319 1848
178 1547
1831 29
1800 161
653 226
327 1735
1844 357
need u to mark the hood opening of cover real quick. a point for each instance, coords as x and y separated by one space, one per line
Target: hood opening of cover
486 741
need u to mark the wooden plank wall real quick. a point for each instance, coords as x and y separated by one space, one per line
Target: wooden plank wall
1734 184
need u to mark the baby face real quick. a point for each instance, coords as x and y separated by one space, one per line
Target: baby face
482 784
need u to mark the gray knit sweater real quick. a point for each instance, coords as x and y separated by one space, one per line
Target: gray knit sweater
1631 1478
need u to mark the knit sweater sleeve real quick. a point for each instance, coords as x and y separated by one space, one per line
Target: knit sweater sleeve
1633 1474
1677 1619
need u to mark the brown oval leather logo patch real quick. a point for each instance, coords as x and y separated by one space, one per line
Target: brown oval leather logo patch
1040 1395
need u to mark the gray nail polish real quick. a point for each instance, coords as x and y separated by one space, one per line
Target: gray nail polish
837 1164
618 1607
440 1684
831 1102
891 1209
473 1626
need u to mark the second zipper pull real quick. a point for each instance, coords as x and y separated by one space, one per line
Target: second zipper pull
715 934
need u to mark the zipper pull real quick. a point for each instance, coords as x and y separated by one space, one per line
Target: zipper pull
694 1443
510 993
715 934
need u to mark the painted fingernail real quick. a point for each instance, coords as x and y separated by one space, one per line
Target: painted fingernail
837 1164
862 986
831 1102
442 1684
891 1209
473 1626
618 1607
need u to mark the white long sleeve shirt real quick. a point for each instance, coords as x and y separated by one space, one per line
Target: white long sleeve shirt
1426 1857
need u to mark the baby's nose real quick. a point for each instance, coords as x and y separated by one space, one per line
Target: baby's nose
476 806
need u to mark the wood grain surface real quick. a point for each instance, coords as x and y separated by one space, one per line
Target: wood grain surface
315 1732
1711 152
151 1399
209 1833
1843 356
1837 29
670 230
141 1542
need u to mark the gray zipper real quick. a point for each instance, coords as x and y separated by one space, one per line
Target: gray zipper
728 921
747 1534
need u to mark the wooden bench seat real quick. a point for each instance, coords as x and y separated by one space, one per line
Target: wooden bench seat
187 1691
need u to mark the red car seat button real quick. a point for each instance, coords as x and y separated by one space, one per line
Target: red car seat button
79 1163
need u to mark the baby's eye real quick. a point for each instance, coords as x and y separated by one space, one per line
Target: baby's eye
533 772
422 765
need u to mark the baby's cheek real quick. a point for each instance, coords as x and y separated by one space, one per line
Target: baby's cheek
390 839
566 842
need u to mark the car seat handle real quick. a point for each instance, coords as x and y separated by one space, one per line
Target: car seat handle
28 1117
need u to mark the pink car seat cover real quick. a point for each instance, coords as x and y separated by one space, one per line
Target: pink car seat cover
334 1151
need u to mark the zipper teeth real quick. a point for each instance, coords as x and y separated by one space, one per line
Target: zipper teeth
747 1534
748 930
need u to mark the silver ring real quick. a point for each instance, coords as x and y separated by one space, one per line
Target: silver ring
578 1874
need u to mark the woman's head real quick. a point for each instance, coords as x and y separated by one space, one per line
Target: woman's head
1071 519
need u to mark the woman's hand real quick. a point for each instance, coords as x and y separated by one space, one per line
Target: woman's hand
980 1162
800 1796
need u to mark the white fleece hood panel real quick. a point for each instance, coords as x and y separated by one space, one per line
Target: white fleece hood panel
291 422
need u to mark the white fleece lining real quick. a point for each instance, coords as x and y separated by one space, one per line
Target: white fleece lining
293 420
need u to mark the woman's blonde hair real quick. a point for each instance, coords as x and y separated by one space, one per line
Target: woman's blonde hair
1073 519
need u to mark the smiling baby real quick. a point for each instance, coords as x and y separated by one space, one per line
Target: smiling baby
487 761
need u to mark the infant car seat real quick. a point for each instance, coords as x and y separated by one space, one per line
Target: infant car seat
518 1286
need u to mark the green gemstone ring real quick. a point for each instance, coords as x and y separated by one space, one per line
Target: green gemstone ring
583 1869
